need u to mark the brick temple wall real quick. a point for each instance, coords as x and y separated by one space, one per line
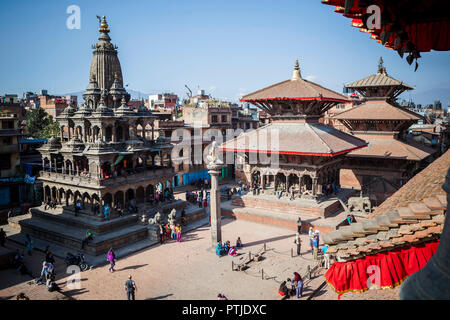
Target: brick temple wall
284 207
291 225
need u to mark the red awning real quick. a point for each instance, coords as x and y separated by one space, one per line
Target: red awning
407 28
390 268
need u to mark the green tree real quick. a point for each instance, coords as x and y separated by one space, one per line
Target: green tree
50 129
39 124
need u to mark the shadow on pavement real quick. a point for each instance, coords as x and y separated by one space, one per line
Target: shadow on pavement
133 267
74 292
254 243
160 297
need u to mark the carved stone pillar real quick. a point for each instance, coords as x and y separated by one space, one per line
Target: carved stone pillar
214 205
314 186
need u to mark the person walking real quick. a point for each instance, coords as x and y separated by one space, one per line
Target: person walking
315 246
299 225
161 234
2 237
311 234
299 288
200 201
112 259
29 244
130 288
178 230
298 242
326 256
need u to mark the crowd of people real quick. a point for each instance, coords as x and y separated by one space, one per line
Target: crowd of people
226 248
169 231
201 183
200 198
296 287
50 203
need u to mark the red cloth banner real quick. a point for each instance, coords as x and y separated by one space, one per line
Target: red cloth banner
384 270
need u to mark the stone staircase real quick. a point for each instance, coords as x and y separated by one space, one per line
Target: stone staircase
68 231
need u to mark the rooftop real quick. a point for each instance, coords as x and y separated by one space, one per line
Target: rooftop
377 110
414 214
295 88
388 147
297 138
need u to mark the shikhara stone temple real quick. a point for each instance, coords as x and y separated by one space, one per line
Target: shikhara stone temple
309 154
105 154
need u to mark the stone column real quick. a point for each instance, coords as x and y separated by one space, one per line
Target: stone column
214 204
314 186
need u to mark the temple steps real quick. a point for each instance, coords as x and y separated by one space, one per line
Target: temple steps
98 227
71 236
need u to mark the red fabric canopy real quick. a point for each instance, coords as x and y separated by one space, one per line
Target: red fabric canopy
426 36
390 269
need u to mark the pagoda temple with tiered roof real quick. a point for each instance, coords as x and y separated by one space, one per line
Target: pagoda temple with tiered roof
306 154
390 159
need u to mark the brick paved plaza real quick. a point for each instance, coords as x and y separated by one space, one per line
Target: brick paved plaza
186 270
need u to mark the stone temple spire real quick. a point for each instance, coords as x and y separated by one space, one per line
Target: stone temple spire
296 73
105 63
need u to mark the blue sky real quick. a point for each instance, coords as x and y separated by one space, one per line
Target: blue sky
228 47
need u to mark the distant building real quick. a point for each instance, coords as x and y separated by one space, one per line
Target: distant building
55 105
208 117
200 98
10 175
163 101
244 118
11 104
31 100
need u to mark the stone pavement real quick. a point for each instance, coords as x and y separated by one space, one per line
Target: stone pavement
60 251
190 270
12 282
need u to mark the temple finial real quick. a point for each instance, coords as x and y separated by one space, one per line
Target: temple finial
104 26
296 74
381 68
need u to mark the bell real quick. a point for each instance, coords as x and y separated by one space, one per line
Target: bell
432 282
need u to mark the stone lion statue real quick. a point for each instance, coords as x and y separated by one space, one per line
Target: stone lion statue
172 217
156 219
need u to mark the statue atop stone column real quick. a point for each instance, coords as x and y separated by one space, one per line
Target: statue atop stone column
212 156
